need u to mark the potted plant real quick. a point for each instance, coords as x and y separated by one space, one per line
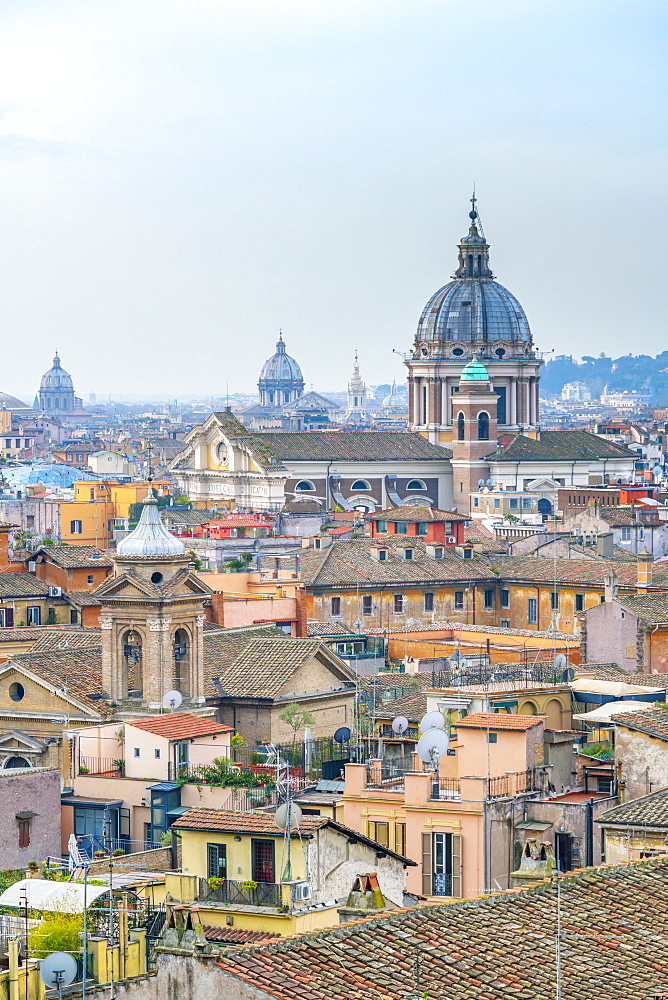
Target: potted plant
215 883
117 852
249 885
100 854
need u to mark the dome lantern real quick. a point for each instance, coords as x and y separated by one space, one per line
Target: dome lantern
150 539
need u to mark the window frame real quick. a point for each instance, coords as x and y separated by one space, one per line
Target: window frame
335 607
398 605
532 611
458 600
428 597
504 598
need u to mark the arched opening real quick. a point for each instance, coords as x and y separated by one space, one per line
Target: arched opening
416 484
528 708
17 762
553 713
304 486
364 504
544 508
461 427
483 426
360 484
56 403
470 263
132 661
181 654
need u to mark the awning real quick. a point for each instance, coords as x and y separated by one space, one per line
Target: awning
605 713
43 894
529 824
594 692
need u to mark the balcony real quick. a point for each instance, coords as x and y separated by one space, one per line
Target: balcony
102 767
515 783
233 893
445 789
389 777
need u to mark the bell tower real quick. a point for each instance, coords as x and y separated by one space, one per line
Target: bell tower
474 431
152 618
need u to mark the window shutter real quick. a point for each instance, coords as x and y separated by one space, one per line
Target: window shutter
426 865
457 865
9 618
211 860
383 834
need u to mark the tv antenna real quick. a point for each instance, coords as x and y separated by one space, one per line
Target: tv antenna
171 700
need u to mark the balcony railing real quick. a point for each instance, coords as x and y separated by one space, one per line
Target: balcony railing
102 767
233 893
386 776
445 789
514 783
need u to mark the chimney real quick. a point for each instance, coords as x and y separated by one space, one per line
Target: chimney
645 565
611 585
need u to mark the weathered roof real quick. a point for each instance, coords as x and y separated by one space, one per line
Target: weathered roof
180 725
237 935
222 647
77 672
349 561
649 607
413 512
76 638
329 630
584 571
83 598
75 556
265 666
22 585
497 720
650 810
180 515
351 446
571 446
653 722
493 948
617 516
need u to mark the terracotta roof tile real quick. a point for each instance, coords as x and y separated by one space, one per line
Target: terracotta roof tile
653 722
650 810
557 445
413 512
265 666
237 935
78 671
75 556
22 585
226 821
180 725
497 720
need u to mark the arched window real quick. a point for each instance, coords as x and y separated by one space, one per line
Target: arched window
359 484
17 762
304 486
132 660
470 263
416 484
181 654
483 426
460 426
56 403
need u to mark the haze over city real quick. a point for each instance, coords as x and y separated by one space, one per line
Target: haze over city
182 179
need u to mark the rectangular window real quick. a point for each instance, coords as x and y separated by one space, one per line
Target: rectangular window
408 553
497 503
505 598
70 457
442 855
401 527
79 458
489 599
422 528
554 600
74 617
367 604
491 737
75 527
382 555
335 606
505 623
90 578
579 602
216 861
398 604
156 754
33 616
136 751
400 838
527 503
438 552
476 502
513 503
262 855
429 600
380 832
468 553
381 525
459 600
532 611
8 442
24 832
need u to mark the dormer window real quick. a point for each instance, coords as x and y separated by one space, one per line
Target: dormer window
382 555
408 553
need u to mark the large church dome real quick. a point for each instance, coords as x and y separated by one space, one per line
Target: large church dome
280 366
56 377
473 306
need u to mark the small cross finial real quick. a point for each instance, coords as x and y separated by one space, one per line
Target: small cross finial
473 214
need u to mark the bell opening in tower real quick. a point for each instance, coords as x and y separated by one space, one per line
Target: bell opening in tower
132 660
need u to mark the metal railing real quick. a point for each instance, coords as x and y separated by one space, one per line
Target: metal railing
514 783
98 847
516 673
385 776
234 894
103 767
445 789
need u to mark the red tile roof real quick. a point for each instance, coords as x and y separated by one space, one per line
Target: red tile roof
237 935
225 821
180 725
497 720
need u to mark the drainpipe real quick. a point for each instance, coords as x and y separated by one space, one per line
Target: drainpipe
485 839
589 833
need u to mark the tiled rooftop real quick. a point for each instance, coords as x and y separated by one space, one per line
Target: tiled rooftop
78 671
180 725
649 607
22 585
563 445
650 810
653 722
584 571
265 666
237 935
255 822
413 512
615 941
75 556
329 629
497 720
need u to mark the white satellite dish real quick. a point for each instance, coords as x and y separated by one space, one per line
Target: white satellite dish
288 816
432 720
400 725
432 745
560 661
172 700
58 969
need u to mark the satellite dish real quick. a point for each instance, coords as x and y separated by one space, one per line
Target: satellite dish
432 720
400 725
342 735
432 745
481 482
568 675
172 700
58 969
288 816
560 661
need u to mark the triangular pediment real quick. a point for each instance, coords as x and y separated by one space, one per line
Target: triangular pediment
125 585
59 702
20 741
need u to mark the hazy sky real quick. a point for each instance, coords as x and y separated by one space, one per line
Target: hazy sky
180 178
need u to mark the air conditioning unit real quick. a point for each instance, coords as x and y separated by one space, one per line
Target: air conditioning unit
452 539
31 566
301 891
55 591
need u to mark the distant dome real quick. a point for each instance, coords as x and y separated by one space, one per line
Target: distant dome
281 367
8 402
150 539
57 377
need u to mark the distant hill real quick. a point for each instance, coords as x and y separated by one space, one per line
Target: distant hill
640 372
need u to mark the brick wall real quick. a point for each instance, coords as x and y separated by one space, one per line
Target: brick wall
29 791
157 860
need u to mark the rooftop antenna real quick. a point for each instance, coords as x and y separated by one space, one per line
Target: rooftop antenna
58 970
171 700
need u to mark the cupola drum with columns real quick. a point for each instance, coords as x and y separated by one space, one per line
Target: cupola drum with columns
473 316
281 379
152 618
475 429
